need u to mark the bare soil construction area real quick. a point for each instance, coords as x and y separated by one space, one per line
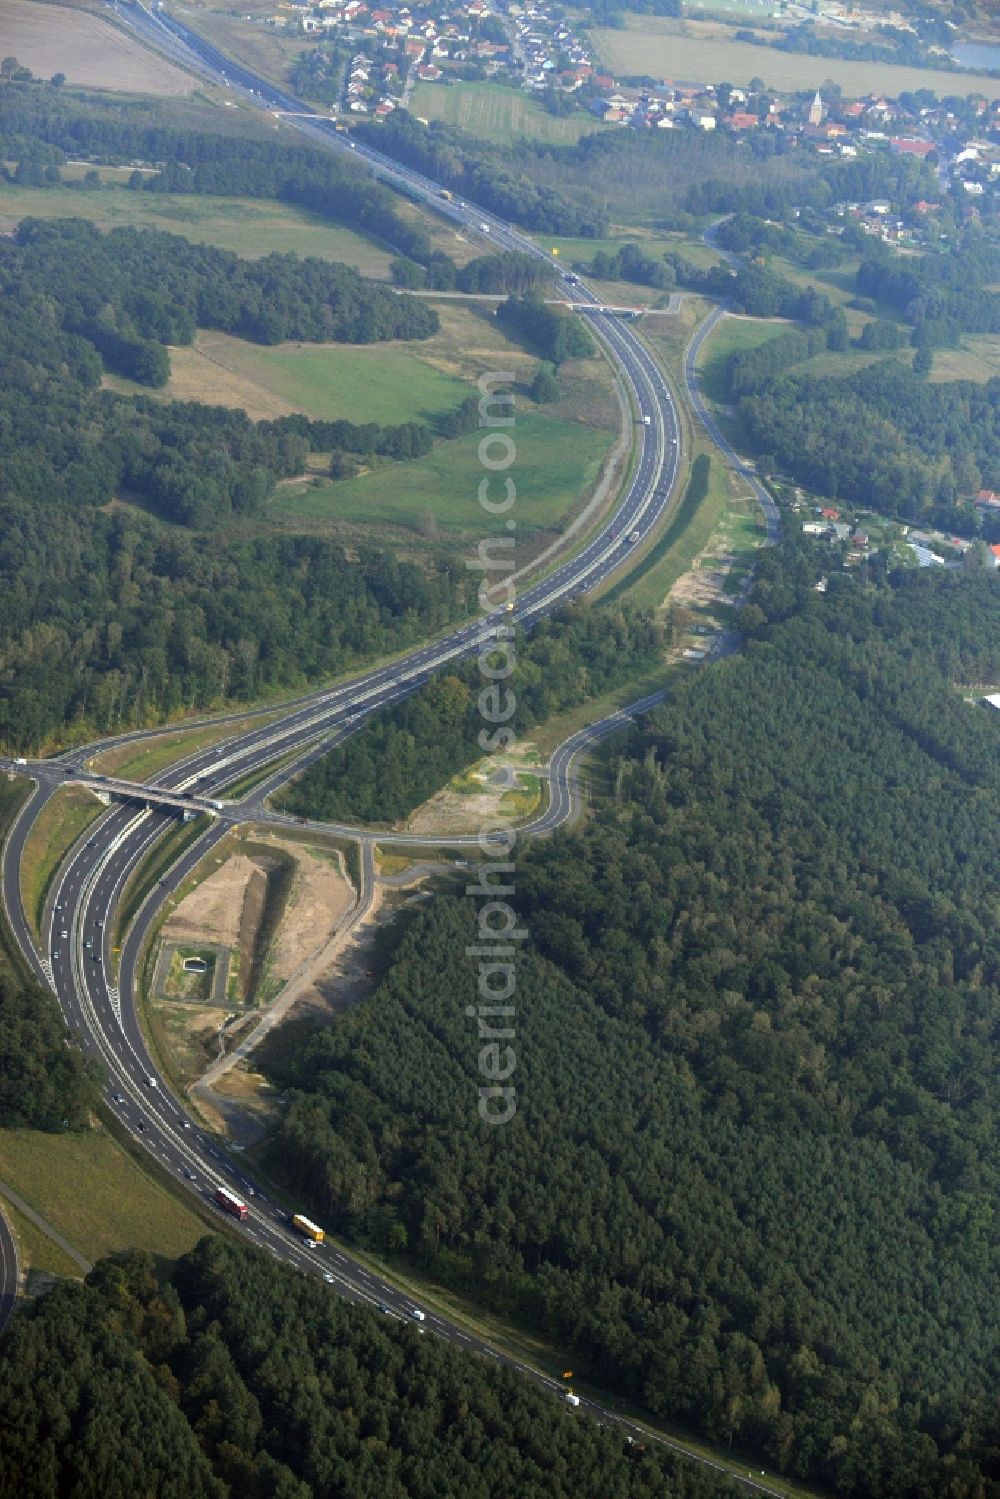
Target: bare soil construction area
502 786
52 39
320 898
213 910
271 903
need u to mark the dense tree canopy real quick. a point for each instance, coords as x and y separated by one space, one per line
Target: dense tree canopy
39 126
161 287
551 332
752 1174
235 1376
403 755
880 437
488 175
107 622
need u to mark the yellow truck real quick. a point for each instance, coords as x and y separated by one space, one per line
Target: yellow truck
308 1229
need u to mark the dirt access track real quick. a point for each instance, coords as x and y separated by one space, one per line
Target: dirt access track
54 39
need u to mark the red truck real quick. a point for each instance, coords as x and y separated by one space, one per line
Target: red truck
231 1203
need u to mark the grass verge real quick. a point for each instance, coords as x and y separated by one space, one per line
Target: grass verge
96 1194
36 1251
152 868
143 760
684 538
66 815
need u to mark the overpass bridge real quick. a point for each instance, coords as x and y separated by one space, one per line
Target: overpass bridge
148 796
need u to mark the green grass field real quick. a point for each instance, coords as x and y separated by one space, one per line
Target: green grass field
263 49
250 226
95 1194
494 112
977 359
555 462
35 1249
65 816
732 336
660 48
387 382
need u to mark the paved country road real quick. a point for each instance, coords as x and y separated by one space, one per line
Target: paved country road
9 1270
76 958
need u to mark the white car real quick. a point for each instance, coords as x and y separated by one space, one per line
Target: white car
417 1314
150 1082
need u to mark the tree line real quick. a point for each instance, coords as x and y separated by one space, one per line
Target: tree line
943 296
751 1178
552 332
882 436
488 174
43 127
401 756
231 1375
44 1084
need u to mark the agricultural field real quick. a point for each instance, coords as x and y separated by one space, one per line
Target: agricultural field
251 227
494 112
92 1191
663 48
52 39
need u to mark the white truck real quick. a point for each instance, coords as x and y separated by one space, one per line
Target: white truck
417 1314
572 1399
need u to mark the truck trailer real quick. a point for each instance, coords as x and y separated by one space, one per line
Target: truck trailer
307 1228
231 1203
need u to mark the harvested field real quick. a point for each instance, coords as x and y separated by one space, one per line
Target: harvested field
684 50
53 39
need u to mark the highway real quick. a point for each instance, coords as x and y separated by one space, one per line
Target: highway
77 960
8 1271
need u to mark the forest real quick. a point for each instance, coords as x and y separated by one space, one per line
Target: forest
492 176
41 126
402 755
142 283
44 1084
751 1180
882 437
231 1375
108 622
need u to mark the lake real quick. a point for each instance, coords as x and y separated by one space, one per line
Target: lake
984 55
